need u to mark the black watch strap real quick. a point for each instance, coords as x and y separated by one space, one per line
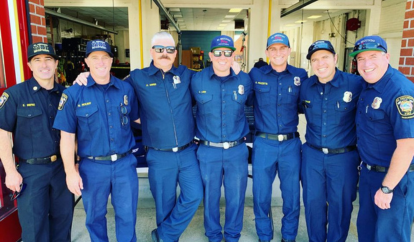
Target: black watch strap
386 190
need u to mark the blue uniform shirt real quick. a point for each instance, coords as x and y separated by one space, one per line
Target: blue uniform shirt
220 105
28 111
276 98
330 110
96 113
385 114
165 106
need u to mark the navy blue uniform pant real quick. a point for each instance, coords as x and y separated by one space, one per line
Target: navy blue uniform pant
118 179
394 224
269 158
46 205
227 167
166 170
329 188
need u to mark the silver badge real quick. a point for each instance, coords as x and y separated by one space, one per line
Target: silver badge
241 89
176 79
347 97
376 103
34 88
296 81
126 100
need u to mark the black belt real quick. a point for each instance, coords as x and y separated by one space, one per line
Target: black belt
224 145
38 161
175 149
279 137
334 151
112 158
382 168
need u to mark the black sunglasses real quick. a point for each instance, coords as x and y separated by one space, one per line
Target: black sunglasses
370 46
124 117
160 49
217 53
15 194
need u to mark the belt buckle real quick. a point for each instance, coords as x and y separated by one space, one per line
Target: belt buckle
280 137
226 145
325 151
369 167
175 149
114 157
53 158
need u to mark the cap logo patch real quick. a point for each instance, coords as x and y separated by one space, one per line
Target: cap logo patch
98 45
40 48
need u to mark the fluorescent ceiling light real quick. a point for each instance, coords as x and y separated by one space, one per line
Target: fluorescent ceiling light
178 15
230 16
220 28
180 20
314 16
174 10
300 21
222 25
226 21
235 10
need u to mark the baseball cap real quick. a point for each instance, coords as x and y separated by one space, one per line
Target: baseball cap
367 43
40 49
98 45
278 38
222 41
320 45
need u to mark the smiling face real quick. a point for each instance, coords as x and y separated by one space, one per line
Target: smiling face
163 60
323 65
43 67
99 63
372 65
278 54
221 64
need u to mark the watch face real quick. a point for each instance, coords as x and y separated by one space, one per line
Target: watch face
386 190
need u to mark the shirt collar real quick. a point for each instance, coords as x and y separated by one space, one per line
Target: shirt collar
334 82
382 83
112 82
211 72
153 69
35 87
267 69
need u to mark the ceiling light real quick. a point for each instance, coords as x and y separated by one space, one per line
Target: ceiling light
300 21
220 28
226 21
178 15
235 10
314 16
290 25
174 10
230 16
180 20
222 25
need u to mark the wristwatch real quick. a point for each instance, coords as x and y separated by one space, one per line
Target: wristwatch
386 190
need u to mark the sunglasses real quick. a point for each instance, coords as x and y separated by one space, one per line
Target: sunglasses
124 117
369 46
217 53
160 49
15 194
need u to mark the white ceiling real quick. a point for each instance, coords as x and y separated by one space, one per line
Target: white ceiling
197 19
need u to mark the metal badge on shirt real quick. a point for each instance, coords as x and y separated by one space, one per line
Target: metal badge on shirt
405 106
296 81
176 80
126 100
241 89
376 103
347 97
62 101
3 99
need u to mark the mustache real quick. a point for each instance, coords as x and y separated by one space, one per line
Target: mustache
164 57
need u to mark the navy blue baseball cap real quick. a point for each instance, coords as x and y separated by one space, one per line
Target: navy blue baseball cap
367 43
40 49
278 38
320 45
222 41
98 45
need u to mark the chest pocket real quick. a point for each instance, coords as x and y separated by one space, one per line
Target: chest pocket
342 109
375 115
290 96
204 103
31 120
88 121
262 95
240 100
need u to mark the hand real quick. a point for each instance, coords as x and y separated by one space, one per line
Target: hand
236 67
74 182
81 80
383 200
13 181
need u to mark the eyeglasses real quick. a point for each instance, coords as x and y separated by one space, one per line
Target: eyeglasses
15 194
370 46
217 53
160 49
124 118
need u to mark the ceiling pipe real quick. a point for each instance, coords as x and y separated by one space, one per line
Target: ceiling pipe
167 14
295 7
73 19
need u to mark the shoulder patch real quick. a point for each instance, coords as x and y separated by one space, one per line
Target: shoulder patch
62 101
405 106
3 99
